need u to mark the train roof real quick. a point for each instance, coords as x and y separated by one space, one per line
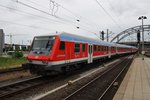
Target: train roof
71 37
126 46
77 38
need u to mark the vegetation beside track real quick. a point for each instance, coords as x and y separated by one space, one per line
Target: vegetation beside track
11 62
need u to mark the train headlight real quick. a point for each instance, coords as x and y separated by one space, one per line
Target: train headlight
45 62
30 61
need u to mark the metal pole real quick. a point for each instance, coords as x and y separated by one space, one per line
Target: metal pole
142 38
10 40
107 36
138 49
100 36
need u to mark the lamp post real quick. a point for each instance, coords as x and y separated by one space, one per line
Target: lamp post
142 18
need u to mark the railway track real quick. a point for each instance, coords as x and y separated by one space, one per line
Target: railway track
11 70
102 87
13 74
15 87
20 86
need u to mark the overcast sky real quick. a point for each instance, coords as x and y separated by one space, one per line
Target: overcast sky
26 18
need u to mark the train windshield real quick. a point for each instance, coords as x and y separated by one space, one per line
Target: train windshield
43 45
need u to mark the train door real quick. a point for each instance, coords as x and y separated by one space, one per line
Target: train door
90 53
68 52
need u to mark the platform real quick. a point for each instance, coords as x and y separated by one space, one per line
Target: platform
136 84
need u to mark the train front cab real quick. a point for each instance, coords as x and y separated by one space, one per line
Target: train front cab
41 54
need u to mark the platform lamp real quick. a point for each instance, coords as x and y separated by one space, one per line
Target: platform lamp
142 18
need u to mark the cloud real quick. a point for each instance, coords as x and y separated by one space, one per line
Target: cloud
12 4
130 7
92 17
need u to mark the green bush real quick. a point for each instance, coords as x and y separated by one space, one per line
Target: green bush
17 54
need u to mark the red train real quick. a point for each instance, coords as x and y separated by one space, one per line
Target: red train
56 53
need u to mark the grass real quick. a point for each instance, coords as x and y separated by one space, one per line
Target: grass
11 62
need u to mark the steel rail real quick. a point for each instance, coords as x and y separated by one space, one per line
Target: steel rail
11 70
107 90
92 81
18 86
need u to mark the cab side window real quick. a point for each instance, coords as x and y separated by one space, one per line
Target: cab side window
99 48
62 45
83 47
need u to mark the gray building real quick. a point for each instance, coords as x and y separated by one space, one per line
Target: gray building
2 36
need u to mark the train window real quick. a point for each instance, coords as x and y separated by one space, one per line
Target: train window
99 48
77 47
102 48
43 43
112 48
83 47
62 45
95 47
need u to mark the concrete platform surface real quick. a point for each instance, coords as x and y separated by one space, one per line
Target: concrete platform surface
136 84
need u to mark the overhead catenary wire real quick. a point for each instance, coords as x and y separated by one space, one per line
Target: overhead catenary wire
92 32
62 19
78 17
47 18
108 14
29 26
75 15
34 15
115 14
40 10
34 8
38 16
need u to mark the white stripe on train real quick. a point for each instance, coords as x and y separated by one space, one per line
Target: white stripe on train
73 60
